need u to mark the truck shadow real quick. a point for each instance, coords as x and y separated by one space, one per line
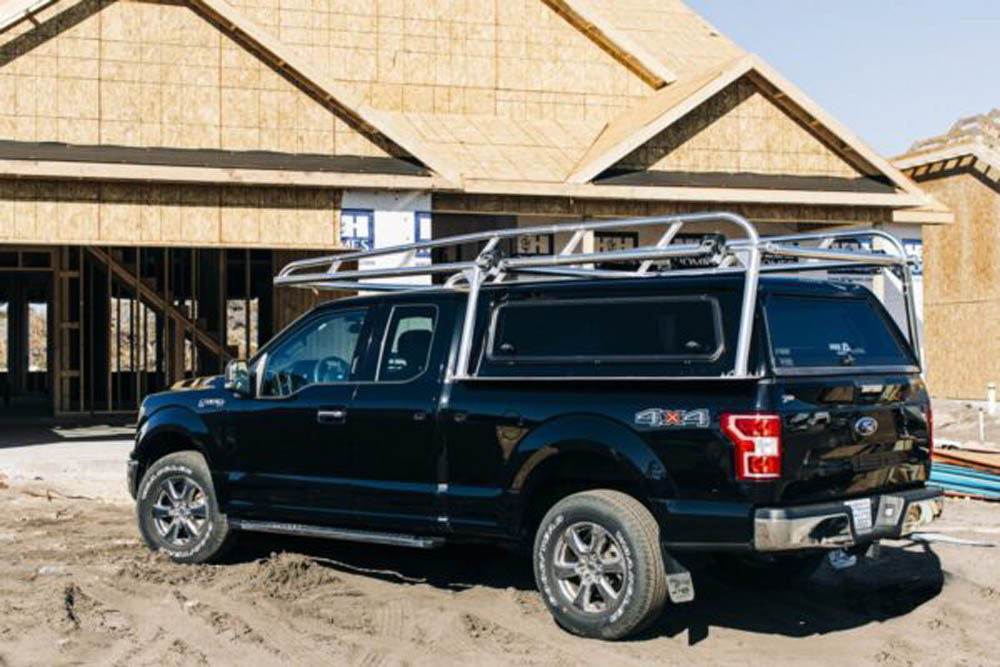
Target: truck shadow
901 580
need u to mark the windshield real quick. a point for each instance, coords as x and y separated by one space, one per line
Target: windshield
809 332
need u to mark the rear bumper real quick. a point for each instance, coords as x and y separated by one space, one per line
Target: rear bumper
836 525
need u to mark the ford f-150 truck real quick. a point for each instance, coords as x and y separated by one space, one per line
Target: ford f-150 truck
614 411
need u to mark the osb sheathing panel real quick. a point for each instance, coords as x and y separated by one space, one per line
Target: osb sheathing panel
739 130
528 149
140 214
963 352
578 208
148 74
961 259
669 30
514 58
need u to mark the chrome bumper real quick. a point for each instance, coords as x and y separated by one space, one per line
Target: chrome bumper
833 525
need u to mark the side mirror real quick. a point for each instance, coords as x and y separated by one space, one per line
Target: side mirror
238 377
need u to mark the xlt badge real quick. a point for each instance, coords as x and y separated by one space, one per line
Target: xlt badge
660 418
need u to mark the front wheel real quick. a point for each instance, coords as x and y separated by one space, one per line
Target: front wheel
598 564
178 512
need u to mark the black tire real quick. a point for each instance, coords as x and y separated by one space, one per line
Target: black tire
178 512
767 571
630 544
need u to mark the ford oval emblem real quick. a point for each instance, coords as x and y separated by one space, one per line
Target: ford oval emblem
865 426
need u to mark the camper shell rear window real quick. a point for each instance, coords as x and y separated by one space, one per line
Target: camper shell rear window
809 332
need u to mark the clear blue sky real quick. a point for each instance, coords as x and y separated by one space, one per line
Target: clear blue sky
891 70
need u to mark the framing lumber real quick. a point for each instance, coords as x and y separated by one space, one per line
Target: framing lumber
585 18
101 171
161 303
694 194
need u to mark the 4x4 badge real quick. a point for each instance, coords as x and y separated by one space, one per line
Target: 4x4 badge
659 418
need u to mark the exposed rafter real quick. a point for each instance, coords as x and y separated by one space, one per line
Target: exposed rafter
585 18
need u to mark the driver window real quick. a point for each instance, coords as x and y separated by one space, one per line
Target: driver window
321 352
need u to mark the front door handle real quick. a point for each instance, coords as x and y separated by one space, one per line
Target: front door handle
331 416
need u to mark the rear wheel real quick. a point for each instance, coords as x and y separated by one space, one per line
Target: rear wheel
178 512
598 564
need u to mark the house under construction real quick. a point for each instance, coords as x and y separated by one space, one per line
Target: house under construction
962 278
160 159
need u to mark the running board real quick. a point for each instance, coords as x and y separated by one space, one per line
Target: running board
347 534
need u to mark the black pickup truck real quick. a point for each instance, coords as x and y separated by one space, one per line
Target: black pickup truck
601 424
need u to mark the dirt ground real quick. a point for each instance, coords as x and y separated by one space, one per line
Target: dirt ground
77 587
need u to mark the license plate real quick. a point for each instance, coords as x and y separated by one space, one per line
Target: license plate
861 509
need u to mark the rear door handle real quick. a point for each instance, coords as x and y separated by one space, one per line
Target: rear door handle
331 416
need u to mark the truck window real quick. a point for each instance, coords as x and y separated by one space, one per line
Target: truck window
832 332
608 330
320 352
407 343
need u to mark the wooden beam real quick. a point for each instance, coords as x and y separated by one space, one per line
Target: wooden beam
585 18
102 171
160 302
693 194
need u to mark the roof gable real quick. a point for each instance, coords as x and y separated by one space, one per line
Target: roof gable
649 135
160 75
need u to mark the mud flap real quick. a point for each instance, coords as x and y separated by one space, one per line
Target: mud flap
680 586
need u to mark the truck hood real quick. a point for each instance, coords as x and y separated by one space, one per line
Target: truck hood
190 393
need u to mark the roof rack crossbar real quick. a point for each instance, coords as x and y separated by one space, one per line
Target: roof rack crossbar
715 254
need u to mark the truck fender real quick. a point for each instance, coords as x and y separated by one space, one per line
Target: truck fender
174 422
596 435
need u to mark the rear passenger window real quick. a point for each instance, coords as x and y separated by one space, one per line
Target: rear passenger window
608 330
407 343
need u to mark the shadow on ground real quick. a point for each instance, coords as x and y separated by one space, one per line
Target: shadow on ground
16 435
830 601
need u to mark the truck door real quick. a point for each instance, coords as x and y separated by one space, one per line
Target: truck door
393 418
291 444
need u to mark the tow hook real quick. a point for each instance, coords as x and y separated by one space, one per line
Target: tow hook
841 559
680 586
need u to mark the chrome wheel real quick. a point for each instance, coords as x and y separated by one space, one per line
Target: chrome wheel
589 567
180 512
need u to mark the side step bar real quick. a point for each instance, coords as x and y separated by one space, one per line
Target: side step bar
347 534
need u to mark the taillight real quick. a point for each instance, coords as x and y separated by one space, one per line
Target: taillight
757 442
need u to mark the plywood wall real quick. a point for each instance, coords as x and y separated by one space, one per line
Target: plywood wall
514 58
47 212
962 348
961 259
154 74
739 130
962 289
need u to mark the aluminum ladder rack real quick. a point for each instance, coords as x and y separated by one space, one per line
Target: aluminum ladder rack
745 255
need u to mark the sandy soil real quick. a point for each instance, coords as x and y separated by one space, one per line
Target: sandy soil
77 587
957 423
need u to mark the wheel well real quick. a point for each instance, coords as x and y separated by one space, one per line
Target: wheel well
159 446
570 473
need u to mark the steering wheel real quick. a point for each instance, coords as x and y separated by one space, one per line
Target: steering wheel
331 369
